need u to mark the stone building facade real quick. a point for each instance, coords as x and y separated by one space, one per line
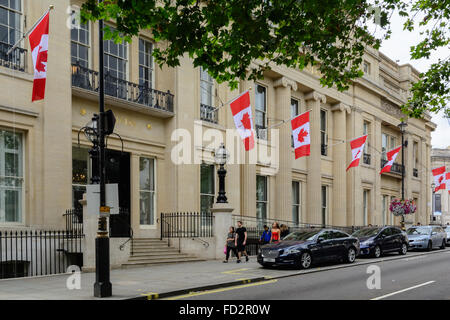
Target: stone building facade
441 199
46 170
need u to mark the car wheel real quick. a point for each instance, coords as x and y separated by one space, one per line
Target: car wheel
403 249
443 244
305 260
430 246
377 252
351 255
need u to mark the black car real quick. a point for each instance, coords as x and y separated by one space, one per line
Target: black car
302 248
374 241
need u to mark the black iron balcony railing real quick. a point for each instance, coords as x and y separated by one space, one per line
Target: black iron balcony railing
261 132
396 167
323 149
16 60
208 113
85 78
415 172
366 158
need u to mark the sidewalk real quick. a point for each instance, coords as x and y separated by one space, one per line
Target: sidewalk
161 280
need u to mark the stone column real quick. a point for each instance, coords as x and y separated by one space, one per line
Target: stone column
90 233
283 179
339 217
222 222
313 102
376 162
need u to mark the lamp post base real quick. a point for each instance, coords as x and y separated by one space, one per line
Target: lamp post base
102 285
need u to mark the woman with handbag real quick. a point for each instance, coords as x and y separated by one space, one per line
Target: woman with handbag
230 245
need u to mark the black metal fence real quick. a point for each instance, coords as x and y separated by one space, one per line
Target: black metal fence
186 225
89 79
208 113
32 253
74 220
16 60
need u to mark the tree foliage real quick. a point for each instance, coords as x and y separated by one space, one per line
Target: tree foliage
226 37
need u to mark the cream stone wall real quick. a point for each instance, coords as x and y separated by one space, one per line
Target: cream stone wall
50 129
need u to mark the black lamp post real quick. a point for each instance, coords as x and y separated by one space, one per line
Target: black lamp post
402 126
433 186
221 156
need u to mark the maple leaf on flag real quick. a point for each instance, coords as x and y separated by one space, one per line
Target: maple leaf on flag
301 135
246 121
41 57
440 179
359 151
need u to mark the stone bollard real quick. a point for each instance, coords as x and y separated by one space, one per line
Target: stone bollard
222 222
90 232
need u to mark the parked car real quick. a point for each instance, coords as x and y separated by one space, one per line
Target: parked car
303 248
375 241
447 230
427 237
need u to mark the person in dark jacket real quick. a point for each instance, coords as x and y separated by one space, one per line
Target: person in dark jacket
231 244
266 235
284 230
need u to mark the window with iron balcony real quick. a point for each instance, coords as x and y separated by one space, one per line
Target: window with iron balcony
10 32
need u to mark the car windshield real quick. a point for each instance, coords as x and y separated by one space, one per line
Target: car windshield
418 230
366 232
302 235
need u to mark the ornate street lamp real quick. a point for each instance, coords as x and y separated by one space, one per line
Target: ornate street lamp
221 156
433 186
402 126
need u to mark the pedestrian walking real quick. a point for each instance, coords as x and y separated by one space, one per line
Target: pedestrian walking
284 231
266 235
241 241
276 232
231 244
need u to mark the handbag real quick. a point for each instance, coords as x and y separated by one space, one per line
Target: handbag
225 249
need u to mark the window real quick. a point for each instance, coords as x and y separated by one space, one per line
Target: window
145 63
365 206
323 132
296 202
437 202
80 174
11 176
260 112
387 143
386 232
206 187
384 208
261 197
147 191
366 67
339 235
416 159
10 21
206 88
324 205
80 44
294 112
391 215
116 58
366 131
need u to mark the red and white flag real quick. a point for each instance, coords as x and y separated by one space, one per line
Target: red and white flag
242 115
357 146
39 48
300 133
391 155
439 178
447 178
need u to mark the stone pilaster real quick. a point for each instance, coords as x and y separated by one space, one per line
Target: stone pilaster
339 217
283 179
376 162
313 102
223 220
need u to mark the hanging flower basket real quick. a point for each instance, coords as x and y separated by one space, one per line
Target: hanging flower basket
402 207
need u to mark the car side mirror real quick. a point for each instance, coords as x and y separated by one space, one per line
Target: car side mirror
319 240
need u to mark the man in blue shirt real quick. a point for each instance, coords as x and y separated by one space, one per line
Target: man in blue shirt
266 235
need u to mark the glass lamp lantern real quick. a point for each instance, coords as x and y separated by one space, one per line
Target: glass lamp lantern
221 157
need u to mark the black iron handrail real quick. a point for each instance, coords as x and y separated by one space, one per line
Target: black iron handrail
396 167
16 60
88 79
416 172
186 225
366 158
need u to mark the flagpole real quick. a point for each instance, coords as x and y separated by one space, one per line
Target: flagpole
286 121
231 100
51 7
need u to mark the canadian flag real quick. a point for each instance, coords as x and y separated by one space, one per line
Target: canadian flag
39 48
300 133
391 155
439 178
357 146
447 178
242 115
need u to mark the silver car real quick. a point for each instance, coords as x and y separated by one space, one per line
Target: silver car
426 237
447 230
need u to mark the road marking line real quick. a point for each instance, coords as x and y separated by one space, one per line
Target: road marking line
235 271
193 294
400 291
